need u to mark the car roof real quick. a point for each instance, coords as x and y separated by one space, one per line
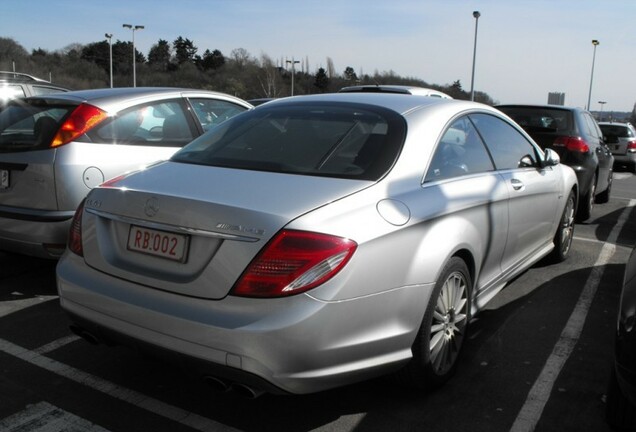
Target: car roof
391 88
113 98
397 102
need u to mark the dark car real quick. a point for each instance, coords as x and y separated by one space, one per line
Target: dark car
576 137
621 394
14 85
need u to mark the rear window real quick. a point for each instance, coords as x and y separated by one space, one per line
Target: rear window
337 140
540 119
25 127
618 131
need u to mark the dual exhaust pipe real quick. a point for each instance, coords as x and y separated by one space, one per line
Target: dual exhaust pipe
219 385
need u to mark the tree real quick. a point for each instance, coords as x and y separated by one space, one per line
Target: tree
184 50
632 118
98 53
159 55
240 56
211 60
350 74
321 81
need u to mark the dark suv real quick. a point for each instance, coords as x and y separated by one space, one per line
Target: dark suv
576 137
14 85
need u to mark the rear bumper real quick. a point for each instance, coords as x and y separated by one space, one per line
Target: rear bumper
39 233
629 158
291 345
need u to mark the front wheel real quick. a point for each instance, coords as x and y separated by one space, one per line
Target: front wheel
443 329
565 232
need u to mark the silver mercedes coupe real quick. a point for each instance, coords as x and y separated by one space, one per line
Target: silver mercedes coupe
316 241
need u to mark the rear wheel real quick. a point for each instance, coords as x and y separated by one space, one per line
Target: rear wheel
586 203
565 232
443 329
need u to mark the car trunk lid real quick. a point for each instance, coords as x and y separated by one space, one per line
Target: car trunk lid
193 229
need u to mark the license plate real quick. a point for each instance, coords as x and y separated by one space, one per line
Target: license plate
4 179
158 243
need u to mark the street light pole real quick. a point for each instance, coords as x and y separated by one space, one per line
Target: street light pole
600 116
589 96
476 14
293 62
109 36
134 28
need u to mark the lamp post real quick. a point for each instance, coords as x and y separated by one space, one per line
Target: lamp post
134 28
109 36
476 14
293 62
589 96
600 116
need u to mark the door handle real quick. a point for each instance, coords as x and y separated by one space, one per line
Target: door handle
517 184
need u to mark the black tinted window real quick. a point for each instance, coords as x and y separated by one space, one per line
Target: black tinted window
26 127
460 151
341 140
506 145
540 118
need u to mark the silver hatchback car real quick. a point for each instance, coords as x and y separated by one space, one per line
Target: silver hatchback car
319 240
55 148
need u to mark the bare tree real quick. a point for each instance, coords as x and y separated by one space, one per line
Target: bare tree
331 69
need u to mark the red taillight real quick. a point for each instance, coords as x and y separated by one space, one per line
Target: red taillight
75 233
294 262
631 146
81 120
575 144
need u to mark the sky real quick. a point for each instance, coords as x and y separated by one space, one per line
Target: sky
525 48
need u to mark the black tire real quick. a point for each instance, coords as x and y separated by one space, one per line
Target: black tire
604 196
586 204
565 232
443 329
619 412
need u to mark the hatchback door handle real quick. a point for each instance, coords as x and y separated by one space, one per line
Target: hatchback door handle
517 184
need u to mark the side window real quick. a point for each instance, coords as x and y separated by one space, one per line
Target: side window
460 151
156 124
592 126
508 147
211 112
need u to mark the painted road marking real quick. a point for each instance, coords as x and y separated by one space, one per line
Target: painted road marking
44 417
531 411
133 397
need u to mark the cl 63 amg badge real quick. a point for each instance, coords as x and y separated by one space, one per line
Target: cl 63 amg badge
239 228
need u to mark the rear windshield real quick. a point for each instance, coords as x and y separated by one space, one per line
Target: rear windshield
29 126
337 140
617 131
540 119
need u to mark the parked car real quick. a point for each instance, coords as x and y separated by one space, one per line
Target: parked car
14 85
55 148
319 240
400 89
575 136
621 394
621 139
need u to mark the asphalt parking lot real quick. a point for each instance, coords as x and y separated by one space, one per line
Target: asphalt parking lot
538 358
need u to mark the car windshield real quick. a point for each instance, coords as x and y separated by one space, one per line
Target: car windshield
29 126
618 131
540 118
337 140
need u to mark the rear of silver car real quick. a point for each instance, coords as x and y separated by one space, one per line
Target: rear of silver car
621 140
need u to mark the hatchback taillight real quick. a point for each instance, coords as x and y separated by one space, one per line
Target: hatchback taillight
631 146
294 262
574 144
82 119
75 233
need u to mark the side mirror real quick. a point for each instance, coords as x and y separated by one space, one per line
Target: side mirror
551 158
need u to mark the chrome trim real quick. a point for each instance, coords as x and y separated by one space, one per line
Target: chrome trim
168 227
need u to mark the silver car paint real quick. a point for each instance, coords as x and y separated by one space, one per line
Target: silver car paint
56 180
358 324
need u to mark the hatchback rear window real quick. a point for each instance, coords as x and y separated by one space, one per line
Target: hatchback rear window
618 131
32 126
336 140
540 118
